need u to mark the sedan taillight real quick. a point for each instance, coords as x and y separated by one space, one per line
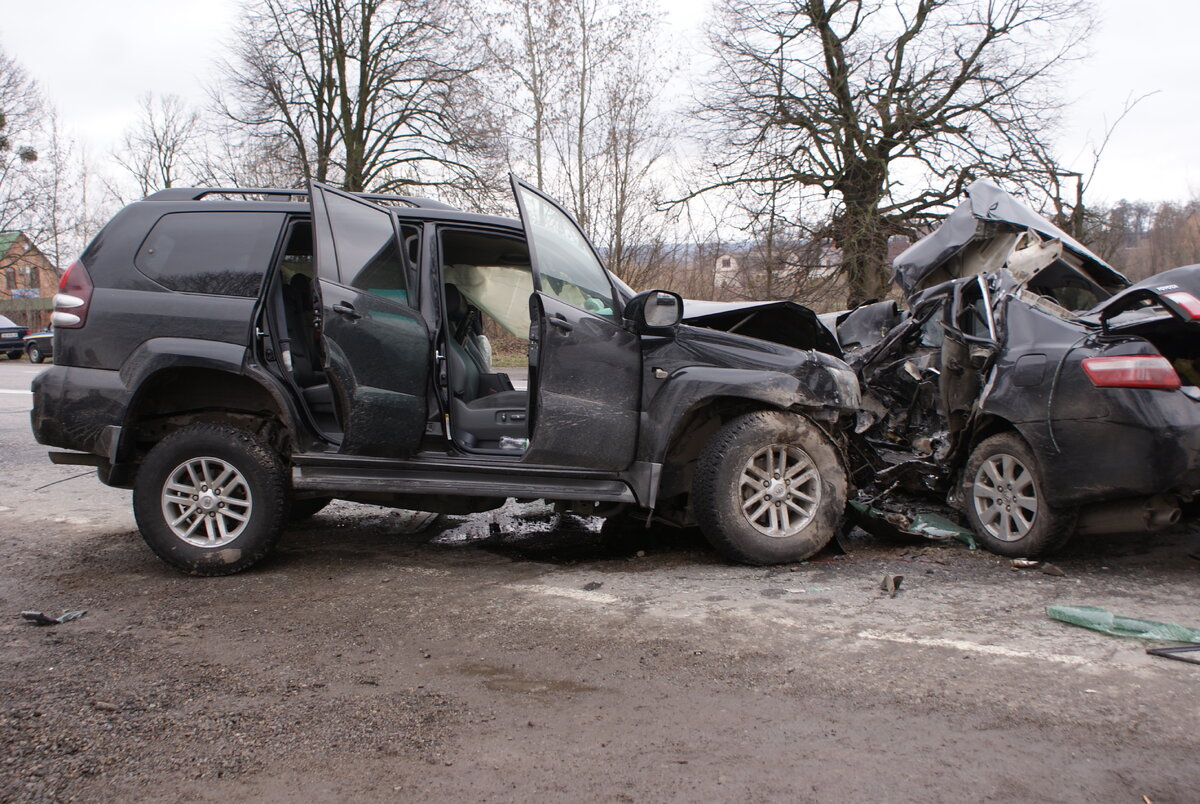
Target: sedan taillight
73 298
1131 371
1189 303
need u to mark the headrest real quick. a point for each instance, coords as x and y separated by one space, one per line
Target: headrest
456 305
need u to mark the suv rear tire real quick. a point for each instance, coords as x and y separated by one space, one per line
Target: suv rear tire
239 499
1005 504
770 488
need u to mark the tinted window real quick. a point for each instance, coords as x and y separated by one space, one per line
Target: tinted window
369 256
223 253
566 264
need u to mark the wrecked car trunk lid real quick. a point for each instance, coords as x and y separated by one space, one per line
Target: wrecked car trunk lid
784 322
1170 295
988 209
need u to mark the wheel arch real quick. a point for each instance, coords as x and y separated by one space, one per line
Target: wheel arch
692 431
179 395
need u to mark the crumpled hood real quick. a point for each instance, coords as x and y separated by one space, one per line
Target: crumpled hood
783 322
986 203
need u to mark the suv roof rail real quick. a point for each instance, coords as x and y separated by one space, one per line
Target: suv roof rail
200 193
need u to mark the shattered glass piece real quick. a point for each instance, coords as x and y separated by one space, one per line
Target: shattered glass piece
1106 622
926 524
939 527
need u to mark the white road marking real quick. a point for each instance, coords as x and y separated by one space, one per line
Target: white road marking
6 391
972 647
965 645
424 571
562 591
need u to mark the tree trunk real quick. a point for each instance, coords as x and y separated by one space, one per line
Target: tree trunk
863 241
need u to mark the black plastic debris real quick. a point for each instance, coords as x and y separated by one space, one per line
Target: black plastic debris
1178 653
41 618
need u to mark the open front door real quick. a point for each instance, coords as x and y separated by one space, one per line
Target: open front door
584 366
376 345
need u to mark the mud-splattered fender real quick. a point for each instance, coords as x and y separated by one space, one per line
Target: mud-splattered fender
813 386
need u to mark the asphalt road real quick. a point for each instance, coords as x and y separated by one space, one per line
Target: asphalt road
512 656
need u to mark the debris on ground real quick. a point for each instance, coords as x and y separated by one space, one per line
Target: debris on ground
512 523
1177 653
1044 567
41 618
891 584
592 586
922 524
1106 622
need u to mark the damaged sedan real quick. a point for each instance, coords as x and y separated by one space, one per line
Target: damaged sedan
1028 384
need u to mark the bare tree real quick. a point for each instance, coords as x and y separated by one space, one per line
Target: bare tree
887 108
525 56
579 84
22 174
371 94
632 148
161 148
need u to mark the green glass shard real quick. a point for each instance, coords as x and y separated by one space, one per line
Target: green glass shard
1106 622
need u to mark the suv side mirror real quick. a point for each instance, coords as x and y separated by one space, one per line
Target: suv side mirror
654 312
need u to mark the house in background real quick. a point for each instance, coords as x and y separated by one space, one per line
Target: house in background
28 282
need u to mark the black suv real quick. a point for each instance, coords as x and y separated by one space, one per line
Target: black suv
240 357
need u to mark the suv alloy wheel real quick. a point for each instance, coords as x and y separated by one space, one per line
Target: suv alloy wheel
211 499
770 487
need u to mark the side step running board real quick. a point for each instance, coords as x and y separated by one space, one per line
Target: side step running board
478 484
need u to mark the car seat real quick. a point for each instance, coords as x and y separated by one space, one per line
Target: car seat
483 410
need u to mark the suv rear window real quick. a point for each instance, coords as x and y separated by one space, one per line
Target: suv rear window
221 253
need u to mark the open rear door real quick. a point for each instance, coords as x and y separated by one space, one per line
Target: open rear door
377 346
584 367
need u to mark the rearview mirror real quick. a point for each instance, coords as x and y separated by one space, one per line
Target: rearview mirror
655 312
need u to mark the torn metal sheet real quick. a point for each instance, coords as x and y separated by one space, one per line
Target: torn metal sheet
987 211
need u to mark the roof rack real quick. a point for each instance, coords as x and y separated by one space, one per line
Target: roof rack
200 193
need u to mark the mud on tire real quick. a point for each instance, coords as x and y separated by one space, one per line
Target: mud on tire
1002 492
770 488
211 499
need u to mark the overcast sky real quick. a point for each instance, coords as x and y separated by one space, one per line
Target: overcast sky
95 59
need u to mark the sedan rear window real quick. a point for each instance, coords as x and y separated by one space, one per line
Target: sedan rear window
220 253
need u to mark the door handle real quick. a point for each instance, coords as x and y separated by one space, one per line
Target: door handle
346 309
562 323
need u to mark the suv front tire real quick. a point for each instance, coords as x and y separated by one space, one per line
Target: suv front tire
770 488
211 499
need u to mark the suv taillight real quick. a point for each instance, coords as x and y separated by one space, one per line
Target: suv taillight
1131 371
74 296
